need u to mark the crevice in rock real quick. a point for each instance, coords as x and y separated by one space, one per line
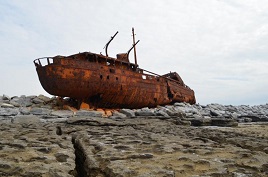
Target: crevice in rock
79 160
85 164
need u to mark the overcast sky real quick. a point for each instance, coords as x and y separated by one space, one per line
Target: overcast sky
219 47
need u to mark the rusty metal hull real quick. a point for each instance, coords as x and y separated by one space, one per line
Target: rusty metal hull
109 83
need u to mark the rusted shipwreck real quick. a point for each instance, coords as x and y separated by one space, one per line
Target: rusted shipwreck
106 82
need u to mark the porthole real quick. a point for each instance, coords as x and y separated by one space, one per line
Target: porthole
112 71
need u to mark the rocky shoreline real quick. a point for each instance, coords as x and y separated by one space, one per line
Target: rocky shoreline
49 109
42 136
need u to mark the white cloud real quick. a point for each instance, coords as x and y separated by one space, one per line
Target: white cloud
218 47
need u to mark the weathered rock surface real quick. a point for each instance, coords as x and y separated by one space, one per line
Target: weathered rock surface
118 115
6 105
145 112
32 149
62 113
93 146
88 113
8 112
39 138
128 112
40 111
26 119
153 147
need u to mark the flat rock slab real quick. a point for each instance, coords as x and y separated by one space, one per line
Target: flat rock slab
88 113
144 113
27 119
161 148
40 111
224 122
35 150
94 121
8 111
93 146
62 113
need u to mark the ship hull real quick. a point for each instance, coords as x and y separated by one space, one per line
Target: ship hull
108 83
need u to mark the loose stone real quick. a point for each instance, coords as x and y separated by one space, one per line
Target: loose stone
6 105
88 113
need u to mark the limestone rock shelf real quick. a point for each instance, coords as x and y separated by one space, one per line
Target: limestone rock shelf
41 137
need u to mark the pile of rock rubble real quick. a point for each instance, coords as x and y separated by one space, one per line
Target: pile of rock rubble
43 108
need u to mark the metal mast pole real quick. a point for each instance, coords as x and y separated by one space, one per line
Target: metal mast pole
106 46
135 56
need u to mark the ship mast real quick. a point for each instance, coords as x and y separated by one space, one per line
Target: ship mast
106 46
134 45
